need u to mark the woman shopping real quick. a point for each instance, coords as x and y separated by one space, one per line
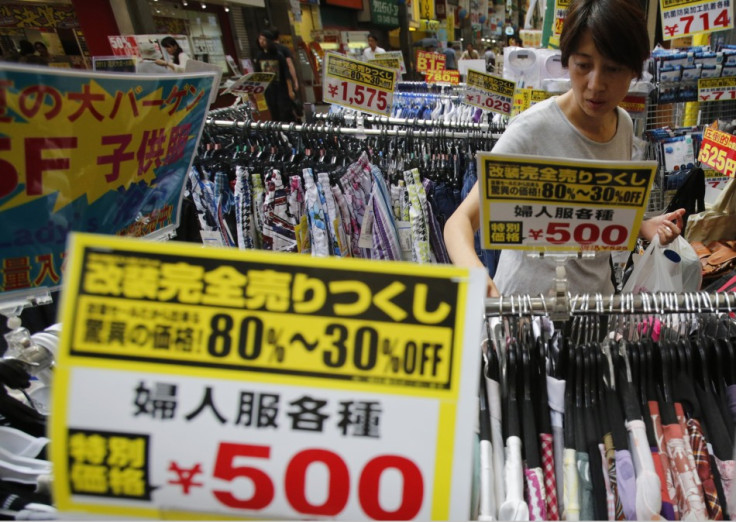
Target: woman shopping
604 44
179 58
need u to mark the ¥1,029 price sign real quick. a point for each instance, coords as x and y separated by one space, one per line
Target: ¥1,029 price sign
253 83
489 92
688 17
358 85
263 385
533 203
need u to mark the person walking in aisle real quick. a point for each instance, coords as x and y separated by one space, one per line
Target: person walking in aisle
372 50
280 93
178 57
469 53
604 44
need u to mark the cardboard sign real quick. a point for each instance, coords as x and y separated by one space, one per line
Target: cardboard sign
358 85
489 92
427 61
532 203
444 76
717 89
718 151
253 83
682 18
186 373
95 152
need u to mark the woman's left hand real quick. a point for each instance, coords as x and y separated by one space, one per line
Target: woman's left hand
667 227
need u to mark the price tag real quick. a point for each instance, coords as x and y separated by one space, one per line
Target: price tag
253 83
715 182
634 104
530 203
444 76
716 89
489 92
688 17
399 56
263 385
358 85
389 62
718 151
427 61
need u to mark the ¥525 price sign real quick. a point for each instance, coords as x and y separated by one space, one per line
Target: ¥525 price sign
544 203
718 151
253 83
358 85
263 385
688 17
489 92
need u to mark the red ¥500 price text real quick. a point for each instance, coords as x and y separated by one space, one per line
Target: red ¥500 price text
338 484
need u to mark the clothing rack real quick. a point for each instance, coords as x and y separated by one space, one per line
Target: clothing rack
416 122
584 304
359 132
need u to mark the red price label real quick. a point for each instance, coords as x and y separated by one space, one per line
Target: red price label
252 458
489 102
250 88
444 76
685 20
583 234
718 151
358 85
358 96
427 61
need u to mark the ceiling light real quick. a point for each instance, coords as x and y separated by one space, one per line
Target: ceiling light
227 9
184 3
204 6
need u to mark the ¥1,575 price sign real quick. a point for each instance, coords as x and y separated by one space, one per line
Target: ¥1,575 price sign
358 85
489 92
263 385
532 203
688 17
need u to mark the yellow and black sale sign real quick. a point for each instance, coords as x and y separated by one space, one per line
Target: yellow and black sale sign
241 353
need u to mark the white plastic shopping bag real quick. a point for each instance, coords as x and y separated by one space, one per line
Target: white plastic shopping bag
671 268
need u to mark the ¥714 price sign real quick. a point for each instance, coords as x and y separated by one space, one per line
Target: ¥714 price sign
358 85
489 92
717 89
688 17
263 385
532 203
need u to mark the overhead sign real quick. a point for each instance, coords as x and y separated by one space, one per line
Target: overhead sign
255 384
688 17
358 85
717 89
429 61
385 13
96 152
253 83
532 203
718 151
489 92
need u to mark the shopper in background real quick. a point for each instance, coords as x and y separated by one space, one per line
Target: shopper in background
450 58
283 49
150 57
604 44
280 94
42 51
490 58
178 57
514 42
27 53
470 53
372 50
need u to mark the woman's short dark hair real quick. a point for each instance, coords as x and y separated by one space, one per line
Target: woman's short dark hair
618 28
